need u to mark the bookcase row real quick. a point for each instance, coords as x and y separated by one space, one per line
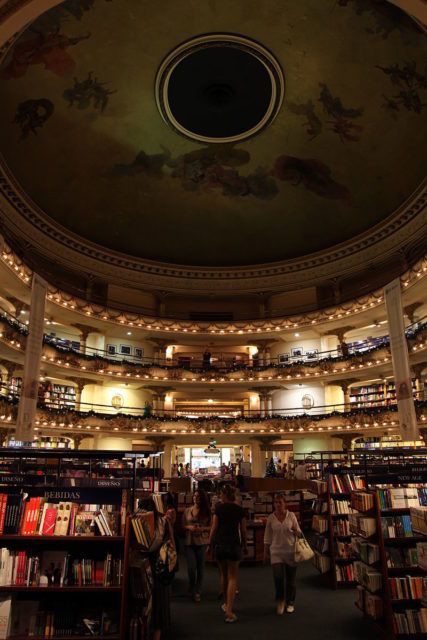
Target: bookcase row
390 551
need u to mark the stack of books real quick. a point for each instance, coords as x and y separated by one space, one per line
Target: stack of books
368 577
322 563
368 552
345 483
398 498
419 519
396 527
401 558
421 555
319 487
362 501
57 568
320 544
340 506
362 525
37 516
407 588
341 527
345 573
410 622
320 523
143 526
320 506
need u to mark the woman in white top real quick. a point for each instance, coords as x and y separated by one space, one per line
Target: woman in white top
281 532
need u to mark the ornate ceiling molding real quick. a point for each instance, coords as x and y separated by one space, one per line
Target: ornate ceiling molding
22 219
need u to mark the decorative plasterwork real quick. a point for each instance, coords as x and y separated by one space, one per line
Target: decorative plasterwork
24 220
316 318
21 218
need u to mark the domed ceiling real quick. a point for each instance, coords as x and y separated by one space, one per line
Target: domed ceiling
84 134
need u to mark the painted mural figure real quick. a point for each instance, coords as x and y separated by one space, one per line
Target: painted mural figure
86 92
313 123
33 114
49 49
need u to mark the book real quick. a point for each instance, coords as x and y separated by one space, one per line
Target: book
62 519
47 525
5 617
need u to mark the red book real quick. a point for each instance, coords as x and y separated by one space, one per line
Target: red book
49 522
34 516
20 573
3 504
28 515
74 510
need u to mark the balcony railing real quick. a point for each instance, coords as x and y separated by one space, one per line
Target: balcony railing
217 362
61 405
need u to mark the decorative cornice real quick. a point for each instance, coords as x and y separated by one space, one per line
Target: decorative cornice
22 218
252 327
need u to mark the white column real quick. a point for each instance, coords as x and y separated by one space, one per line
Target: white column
269 403
161 404
167 458
400 358
257 461
267 358
33 353
262 405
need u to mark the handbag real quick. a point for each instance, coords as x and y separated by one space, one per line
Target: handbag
303 551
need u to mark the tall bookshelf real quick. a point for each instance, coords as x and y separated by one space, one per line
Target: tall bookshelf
64 532
332 510
373 394
390 540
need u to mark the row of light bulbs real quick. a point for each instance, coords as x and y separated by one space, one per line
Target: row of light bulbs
81 306
374 425
371 363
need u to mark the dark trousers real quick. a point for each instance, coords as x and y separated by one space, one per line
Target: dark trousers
195 554
282 572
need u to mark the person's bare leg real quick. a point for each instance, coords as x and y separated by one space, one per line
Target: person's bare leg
232 568
223 572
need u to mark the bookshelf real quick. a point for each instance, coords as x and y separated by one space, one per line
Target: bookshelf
332 545
59 395
64 532
391 552
373 394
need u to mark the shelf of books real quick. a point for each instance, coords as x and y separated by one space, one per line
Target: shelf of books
389 539
333 555
59 538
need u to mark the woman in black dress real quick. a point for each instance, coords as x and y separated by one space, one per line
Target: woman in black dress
228 536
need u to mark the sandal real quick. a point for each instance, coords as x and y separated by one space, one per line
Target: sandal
233 618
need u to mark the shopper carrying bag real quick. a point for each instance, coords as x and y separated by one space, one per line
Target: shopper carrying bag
281 533
303 551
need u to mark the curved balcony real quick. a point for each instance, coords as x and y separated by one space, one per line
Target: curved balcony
365 417
274 320
357 357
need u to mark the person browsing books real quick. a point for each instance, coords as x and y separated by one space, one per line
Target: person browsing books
281 531
163 530
228 535
196 522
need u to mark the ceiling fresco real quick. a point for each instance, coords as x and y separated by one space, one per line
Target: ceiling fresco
81 132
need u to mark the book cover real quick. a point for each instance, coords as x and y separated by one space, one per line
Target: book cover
5 617
85 524
48 528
